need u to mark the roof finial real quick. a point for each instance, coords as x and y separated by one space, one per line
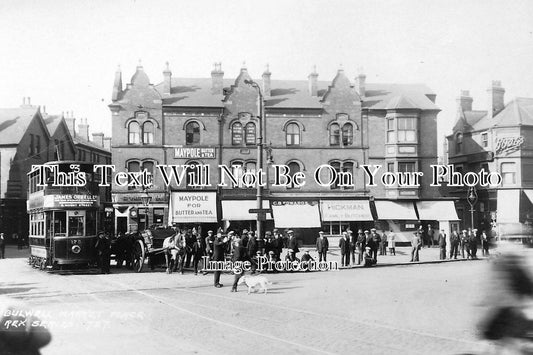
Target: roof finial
243 64
118 68
139 65
341 68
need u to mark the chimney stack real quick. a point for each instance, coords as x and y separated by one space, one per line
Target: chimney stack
117 85
496 97
83 129
361 84
313 82
107 143
71 124
98 139
464 102
217 76
266 81
167 80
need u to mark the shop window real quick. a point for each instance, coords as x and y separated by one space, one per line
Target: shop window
293 134
508 172
390 130
347 169
484 140
149 166
192 133
334 135
406 167
336 228
406 129
134 133
347 134
236 133
148 133
458 143
159 214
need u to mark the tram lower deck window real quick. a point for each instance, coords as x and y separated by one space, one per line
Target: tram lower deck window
75 225
60 223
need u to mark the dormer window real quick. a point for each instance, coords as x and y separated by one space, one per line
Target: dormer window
459 143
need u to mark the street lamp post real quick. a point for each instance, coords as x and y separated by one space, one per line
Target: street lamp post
259 194
145 199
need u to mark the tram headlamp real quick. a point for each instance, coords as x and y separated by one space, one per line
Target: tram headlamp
76 249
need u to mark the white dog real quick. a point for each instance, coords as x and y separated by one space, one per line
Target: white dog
253 281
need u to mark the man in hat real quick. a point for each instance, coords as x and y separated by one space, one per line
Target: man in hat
369 260
218 255
252 250
209 240
360 245
376 240
442 244
322 246
103 247
198 251
171 252
430 234
416 244
238 255
344 245
277 245
293 246
244 238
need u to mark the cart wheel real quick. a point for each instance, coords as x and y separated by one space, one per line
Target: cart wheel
138 256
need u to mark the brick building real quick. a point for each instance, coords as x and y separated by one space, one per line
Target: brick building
308 123
499 139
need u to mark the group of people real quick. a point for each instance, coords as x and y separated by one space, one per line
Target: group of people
245 245
366 244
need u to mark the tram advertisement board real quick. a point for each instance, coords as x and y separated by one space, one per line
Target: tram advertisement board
68 200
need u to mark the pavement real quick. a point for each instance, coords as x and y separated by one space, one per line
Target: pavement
422 308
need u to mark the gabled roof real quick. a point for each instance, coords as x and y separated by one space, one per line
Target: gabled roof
400 102
196 92
80 141
52 122
14 122
517 112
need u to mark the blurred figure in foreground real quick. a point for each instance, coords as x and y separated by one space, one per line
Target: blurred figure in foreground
509 321
20 332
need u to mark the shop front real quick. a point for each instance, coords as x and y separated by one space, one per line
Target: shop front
515 214
236 215
193 209
302 216
398 216
340 215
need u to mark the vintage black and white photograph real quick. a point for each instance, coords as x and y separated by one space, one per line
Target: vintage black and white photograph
280 177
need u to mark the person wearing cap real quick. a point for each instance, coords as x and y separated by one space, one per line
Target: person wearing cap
276 245
391 240
344 245
416 244
374 246
239 255
244 238
198 251
209 240
473 241
171 252
464 244
218 255
454 244
430 234
293 246
252 250
268 242
103 248
369 260
360 245
442 244
353 244
322 246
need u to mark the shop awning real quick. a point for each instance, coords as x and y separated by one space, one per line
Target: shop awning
508 206
193 207
345 210
237 210
296 214
529 194
437 211
395 210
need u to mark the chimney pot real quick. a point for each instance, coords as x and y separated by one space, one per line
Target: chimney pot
361 82
496 96
217 77
266 81
464 101
313 82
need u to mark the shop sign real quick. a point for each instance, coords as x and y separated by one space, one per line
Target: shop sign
67 200
345 210
194 153
136 198
507 145
194 207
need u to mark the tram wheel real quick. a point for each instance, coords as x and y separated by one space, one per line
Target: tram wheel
138 256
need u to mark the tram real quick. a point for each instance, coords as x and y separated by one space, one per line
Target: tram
64 219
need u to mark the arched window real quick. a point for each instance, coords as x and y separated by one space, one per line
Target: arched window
345 178
133 166
337 167
347 134
148 132
134 133
236 133
293 134
294 168
149 166
334 134
459 143
192 133
250 133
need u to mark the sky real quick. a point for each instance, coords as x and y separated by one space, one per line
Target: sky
64 53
